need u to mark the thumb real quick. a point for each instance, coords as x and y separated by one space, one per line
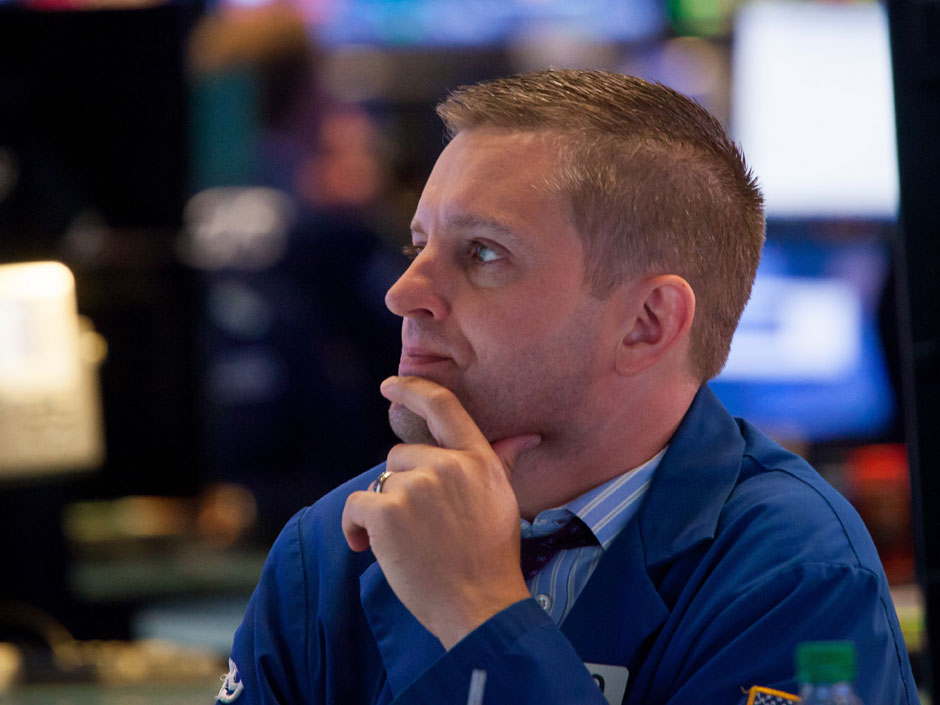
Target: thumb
509 449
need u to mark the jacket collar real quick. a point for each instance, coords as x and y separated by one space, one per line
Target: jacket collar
693 482
680 509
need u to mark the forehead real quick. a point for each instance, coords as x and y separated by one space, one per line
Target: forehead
496 176
486 149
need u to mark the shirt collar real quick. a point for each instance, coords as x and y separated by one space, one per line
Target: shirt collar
605 509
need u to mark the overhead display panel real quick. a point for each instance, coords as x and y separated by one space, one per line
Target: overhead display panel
813 108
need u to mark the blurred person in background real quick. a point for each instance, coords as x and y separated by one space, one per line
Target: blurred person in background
294 336
582 252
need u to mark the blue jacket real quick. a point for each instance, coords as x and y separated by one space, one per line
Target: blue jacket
739 552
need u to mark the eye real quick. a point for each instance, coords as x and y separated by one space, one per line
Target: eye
411 251
484 253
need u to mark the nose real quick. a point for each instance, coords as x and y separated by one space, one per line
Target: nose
418 292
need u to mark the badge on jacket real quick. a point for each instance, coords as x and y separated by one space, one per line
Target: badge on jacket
612 680
232 685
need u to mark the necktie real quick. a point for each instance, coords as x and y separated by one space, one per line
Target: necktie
538 551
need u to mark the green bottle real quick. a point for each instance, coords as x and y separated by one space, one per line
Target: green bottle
826 671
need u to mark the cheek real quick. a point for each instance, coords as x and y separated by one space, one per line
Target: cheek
525 321
543 307
521 339
505 331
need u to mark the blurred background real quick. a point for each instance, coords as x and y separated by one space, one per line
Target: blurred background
228 185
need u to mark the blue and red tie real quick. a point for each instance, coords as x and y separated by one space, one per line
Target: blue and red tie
538 551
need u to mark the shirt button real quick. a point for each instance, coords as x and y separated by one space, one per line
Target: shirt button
545 602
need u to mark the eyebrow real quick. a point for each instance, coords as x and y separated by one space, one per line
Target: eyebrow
471 221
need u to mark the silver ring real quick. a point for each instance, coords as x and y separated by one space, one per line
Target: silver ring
380 480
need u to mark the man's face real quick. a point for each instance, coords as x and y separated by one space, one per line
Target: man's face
494 304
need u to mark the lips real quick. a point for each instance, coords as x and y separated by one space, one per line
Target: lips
417 360
416 352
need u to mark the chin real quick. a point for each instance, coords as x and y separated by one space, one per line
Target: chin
408 426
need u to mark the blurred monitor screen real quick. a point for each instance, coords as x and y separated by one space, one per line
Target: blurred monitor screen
813 107
478 22
807 362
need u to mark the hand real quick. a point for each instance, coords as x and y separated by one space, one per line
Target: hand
445 528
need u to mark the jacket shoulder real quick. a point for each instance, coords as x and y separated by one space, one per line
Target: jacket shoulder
779 494
322 518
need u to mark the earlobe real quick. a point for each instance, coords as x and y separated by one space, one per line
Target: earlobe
660 318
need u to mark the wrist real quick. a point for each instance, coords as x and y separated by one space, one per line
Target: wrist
474 611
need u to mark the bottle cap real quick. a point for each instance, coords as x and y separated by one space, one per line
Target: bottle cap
825 662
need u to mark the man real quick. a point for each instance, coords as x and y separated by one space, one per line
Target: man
582 252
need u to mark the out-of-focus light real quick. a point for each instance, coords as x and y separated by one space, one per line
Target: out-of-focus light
38 327
813 107
690 65
797 329
703 18
238 228
90 5
559 47
250 3
480 22
806 361
50 412
695 67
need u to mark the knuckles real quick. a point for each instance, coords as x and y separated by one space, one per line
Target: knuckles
422 482
411 493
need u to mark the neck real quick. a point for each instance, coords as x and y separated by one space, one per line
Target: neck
568 464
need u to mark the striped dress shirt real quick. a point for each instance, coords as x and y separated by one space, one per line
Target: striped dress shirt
606 509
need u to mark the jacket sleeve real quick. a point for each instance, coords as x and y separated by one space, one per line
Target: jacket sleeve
270 648
526 659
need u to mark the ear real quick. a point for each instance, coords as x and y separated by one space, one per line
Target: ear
659 318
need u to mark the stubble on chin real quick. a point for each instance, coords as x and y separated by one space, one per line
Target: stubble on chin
408 426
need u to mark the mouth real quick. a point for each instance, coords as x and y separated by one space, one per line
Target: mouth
417 361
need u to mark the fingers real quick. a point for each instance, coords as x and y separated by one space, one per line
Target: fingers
406 456
508 449
453 429
448 421
355 516
450 424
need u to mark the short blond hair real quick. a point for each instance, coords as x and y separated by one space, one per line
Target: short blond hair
652 182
